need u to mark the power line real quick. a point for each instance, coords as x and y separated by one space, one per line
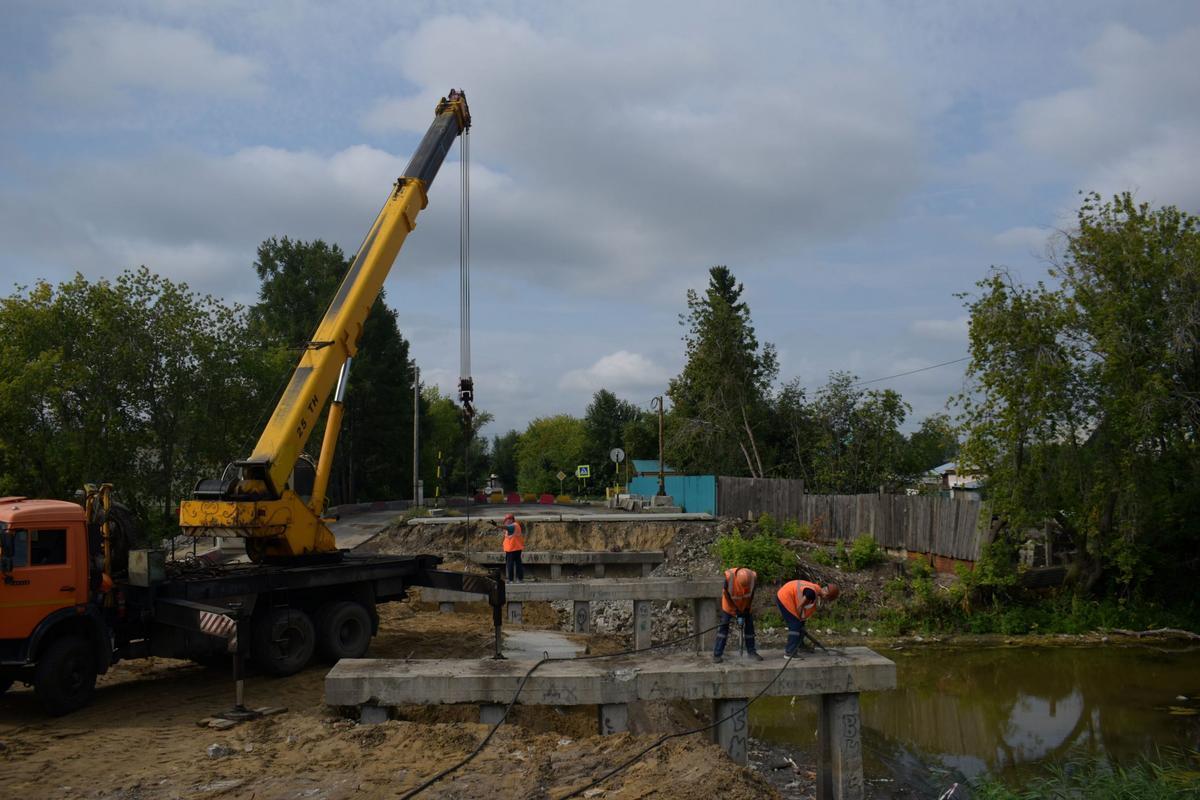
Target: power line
913 371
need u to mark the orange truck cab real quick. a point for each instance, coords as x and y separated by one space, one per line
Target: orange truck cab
53 633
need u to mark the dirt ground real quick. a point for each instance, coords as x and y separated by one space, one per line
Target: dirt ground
140 738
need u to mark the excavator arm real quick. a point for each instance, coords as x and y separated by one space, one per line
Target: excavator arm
257 503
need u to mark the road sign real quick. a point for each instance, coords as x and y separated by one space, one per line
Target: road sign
617 455
561 476
583 471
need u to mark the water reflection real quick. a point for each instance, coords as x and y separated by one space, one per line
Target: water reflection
1007 710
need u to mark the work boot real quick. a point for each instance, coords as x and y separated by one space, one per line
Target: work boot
753 656
717 659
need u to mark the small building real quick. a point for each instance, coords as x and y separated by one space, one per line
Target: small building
648 467
953 482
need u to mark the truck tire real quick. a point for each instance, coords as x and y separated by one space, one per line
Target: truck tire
65 679
283 641
343 630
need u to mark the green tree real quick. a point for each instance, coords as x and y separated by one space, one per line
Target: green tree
931 445
504 459
461 450
548 445
605 421
858 444
373 459
1082 409
721 398
137 381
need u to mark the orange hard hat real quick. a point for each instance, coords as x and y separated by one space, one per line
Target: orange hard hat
832 592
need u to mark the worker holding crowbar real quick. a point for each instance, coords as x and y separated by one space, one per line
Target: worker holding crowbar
737 601
797 600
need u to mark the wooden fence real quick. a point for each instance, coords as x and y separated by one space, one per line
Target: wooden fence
940 525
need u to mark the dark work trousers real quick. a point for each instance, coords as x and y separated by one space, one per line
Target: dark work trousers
795 627
513 568
723 632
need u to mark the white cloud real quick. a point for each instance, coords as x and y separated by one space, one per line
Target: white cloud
621 371
1133 123
101 59
635 158
944 330
1029 238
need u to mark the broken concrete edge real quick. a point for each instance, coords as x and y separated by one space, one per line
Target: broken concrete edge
354 682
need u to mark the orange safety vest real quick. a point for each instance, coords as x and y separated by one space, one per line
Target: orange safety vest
738 593
515 541
792 597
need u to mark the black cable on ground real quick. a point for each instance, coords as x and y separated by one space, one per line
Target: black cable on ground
520 686
638 756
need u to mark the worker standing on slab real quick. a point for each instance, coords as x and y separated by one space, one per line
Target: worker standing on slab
737 601
797 600
514 545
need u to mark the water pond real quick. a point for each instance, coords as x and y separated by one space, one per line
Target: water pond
959 712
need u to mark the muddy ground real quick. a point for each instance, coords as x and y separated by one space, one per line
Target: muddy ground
140 738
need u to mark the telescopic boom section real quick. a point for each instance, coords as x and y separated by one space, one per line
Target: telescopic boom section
259 504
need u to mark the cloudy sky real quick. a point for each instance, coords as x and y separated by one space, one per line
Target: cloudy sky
855 164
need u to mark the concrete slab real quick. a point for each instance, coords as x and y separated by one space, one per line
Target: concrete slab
625 679
576 557
599 515
607 589
533 645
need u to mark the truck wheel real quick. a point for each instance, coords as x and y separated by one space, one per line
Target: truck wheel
343 630
283 641
66 676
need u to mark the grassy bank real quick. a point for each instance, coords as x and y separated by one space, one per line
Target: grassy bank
888 596
1172 776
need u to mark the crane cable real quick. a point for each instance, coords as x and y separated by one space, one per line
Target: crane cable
465 383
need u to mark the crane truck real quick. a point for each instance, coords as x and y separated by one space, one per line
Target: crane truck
75 599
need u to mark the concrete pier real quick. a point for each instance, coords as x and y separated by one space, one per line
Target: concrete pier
598 560
610 684
640 591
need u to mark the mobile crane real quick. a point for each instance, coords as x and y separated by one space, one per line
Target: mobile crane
74 600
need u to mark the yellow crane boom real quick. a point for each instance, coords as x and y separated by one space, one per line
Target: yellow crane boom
258 504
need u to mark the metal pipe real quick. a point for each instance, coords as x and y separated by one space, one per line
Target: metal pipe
333 426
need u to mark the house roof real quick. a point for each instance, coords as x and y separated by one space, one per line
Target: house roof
949 466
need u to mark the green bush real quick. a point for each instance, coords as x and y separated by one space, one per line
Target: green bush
865 553
764 554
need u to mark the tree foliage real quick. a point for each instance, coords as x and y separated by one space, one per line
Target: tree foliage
136 381
548 445
722 397
1085 404
373 458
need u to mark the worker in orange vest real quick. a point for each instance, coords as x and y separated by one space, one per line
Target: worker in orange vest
797 600
737 600
514 545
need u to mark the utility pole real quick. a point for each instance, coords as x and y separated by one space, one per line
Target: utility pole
662 482
416 434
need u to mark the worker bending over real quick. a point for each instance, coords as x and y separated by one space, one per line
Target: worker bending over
797 600
514 545
737 601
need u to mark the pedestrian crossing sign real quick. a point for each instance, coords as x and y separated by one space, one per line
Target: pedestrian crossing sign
583 471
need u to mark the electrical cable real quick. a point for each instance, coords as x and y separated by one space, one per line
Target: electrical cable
664 739
520 686
912 371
